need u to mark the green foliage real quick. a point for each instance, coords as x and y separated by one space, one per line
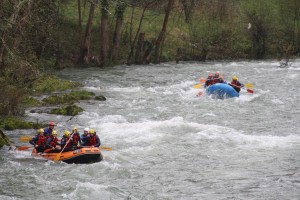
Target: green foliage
56 99
52 83
71 110
82 95
12 123
3 139
30 101
71 98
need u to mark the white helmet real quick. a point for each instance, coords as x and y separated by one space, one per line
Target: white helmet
87 129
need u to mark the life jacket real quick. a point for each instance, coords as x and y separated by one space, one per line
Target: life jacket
208 82
53 142
236 83
41 140
216 79
92 141
66 142
76 138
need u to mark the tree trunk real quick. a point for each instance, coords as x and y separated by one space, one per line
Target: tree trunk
22 22
188 9
84 49
79 21
120 9
140 50
104 38
162 35
132 44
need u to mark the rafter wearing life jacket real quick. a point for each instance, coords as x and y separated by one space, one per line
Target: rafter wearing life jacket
209 81
65 141
93 140
236 84
48 130
39 141
216 78
75 137
52 141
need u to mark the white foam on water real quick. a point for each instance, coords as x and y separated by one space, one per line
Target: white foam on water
140 135
87 190
93 89
126 89
2 197
277 101
248 97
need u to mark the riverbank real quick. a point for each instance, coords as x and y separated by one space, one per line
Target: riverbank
48 95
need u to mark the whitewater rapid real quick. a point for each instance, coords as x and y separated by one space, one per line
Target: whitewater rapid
169 144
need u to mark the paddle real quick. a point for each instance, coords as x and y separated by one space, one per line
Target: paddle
23 148
201 80
59 154
25 138
248 90
197 86
102 148
248 85
106 148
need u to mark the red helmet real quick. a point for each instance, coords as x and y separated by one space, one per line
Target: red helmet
51 124
217 73
210 75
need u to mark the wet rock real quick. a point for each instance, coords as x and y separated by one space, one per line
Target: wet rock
100 98
3 140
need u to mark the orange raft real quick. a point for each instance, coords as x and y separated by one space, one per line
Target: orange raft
79 156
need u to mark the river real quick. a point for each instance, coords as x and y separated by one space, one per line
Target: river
169 144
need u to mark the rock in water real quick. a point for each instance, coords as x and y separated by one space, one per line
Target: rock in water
3 140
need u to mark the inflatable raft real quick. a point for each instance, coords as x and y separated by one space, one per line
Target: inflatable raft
79 156
221 91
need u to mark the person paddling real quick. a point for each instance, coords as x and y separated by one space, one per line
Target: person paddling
222 80
209 81
236 84
64 141
75 138
52 142
216 78
39 141
94 140
85 137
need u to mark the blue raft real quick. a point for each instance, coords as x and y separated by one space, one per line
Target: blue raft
221 91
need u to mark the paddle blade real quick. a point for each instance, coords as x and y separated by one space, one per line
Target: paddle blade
25 138
250 91
197 86
202 80
57 157
248 85
106 148
22 148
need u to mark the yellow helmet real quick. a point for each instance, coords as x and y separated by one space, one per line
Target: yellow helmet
41 130
75 128
54 132
67 134
92 131
234 78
